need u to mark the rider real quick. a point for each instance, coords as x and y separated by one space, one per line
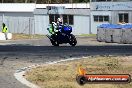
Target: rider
59 21
55 27
59 24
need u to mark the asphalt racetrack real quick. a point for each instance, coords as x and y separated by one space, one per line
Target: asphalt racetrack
15 54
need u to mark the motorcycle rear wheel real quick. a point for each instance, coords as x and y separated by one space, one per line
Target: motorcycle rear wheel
54 43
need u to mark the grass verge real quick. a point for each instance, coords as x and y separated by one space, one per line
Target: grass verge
26 36
19 36
63 75
88 35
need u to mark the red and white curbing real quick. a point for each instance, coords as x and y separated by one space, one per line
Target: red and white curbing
21 72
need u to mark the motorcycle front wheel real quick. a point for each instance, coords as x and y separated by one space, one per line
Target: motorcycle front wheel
73 40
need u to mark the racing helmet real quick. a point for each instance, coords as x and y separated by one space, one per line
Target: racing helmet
59 20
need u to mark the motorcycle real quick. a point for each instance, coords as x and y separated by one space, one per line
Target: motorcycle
62 36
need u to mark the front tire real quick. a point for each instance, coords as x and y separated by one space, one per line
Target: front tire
73 40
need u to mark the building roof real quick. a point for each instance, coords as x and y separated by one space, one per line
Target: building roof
17 7
29 7
73 5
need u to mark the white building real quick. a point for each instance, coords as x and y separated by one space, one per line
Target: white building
110 11
77 15
84 18
18 17
34 19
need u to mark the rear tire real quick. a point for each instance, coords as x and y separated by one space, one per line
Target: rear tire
53 40
54 43
73 40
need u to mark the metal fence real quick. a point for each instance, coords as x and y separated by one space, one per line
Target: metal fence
21 25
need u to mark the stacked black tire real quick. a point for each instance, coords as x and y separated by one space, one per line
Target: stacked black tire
113 35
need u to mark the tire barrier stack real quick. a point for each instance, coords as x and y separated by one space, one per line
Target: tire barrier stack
115 33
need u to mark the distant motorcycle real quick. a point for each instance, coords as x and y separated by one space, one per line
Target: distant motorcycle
62 36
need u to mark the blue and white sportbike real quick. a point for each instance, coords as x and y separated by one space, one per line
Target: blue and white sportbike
62 36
